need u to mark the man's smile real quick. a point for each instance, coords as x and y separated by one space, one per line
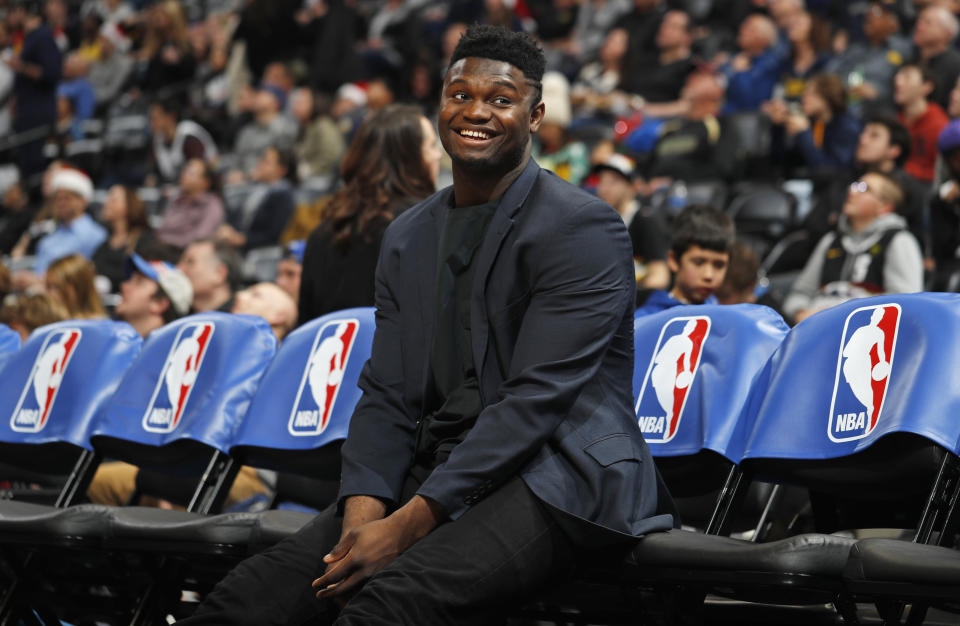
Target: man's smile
475 134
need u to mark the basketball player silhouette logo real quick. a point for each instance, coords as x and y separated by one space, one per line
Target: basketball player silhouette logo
323 375
178 378
864 365
670 375
37 398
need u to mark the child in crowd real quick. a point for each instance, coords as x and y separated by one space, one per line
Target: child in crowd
698 258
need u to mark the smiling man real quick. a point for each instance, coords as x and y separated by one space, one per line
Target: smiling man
495 446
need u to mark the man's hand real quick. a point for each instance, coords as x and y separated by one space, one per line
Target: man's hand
366 549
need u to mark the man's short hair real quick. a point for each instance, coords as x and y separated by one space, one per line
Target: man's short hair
926 74
499 44
230 258
899 135
703 226
890 191
742 271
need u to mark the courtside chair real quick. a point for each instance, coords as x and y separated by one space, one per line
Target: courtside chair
300 417
9 343
695 367
50 393
175 411
874 432
295 425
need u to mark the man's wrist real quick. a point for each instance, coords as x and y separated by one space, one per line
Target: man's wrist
359 510
421 515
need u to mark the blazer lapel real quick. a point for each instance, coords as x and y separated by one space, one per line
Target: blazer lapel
426 280
497 231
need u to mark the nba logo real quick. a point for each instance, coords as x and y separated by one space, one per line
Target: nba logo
177 378
322 377
40 392
669 376
864 364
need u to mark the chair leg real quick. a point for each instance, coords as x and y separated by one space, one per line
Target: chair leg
847 609
733 491
939 498
890 612
917 614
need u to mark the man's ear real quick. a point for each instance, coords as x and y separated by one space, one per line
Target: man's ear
159 305
893 153
536 116
672 262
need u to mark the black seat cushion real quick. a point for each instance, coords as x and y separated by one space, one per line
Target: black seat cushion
47 524
153 527
810 554
894 560
276 525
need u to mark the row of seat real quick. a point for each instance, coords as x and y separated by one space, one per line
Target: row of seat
857 401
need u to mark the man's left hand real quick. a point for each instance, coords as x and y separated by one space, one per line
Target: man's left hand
370 547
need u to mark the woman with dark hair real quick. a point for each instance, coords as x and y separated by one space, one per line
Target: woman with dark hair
821 137
268 208
391 164
197 210
126 218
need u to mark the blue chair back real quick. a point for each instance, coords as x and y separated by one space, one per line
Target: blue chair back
9 343
308 394
695 367
52 388
854 373
193 382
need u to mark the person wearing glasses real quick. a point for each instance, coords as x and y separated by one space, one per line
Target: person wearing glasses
869 253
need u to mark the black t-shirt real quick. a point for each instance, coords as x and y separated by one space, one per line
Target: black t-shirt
454 404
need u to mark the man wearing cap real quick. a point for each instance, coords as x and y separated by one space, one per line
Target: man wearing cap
76 232
647 232
155 293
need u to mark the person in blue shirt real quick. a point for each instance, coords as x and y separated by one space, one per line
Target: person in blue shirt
753 72
698 258
76 232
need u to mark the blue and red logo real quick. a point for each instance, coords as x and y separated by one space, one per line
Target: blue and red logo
40 392
177 378
864 364
322 377
672 368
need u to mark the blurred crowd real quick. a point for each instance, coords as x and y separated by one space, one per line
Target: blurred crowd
161 158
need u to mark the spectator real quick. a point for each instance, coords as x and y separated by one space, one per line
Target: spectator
154 293
912 87
934 34
687 146
37 69
320 144
69 281
15 216
945 211
867 67
7 76
753 72
109 11
553 148
176 141
267 210
269 128
126 220
647 232
112 69
659 77
641 24
870 252
391 164
595 90
595 19
821 138
290 268
75 232
78 91
740 282
214 271
197 211
29 312
6 282
270 302
698 258
807 54
166 49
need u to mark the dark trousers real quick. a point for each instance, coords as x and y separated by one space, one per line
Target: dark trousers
469 571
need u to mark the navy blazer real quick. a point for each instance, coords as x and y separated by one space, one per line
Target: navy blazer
552 319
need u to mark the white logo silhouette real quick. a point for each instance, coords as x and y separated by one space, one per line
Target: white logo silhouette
183 368
857 368
664 376
326 366
50 366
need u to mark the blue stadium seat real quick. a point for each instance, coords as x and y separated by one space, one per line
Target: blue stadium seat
9 343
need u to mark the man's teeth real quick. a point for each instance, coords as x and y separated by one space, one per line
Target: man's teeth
474 134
